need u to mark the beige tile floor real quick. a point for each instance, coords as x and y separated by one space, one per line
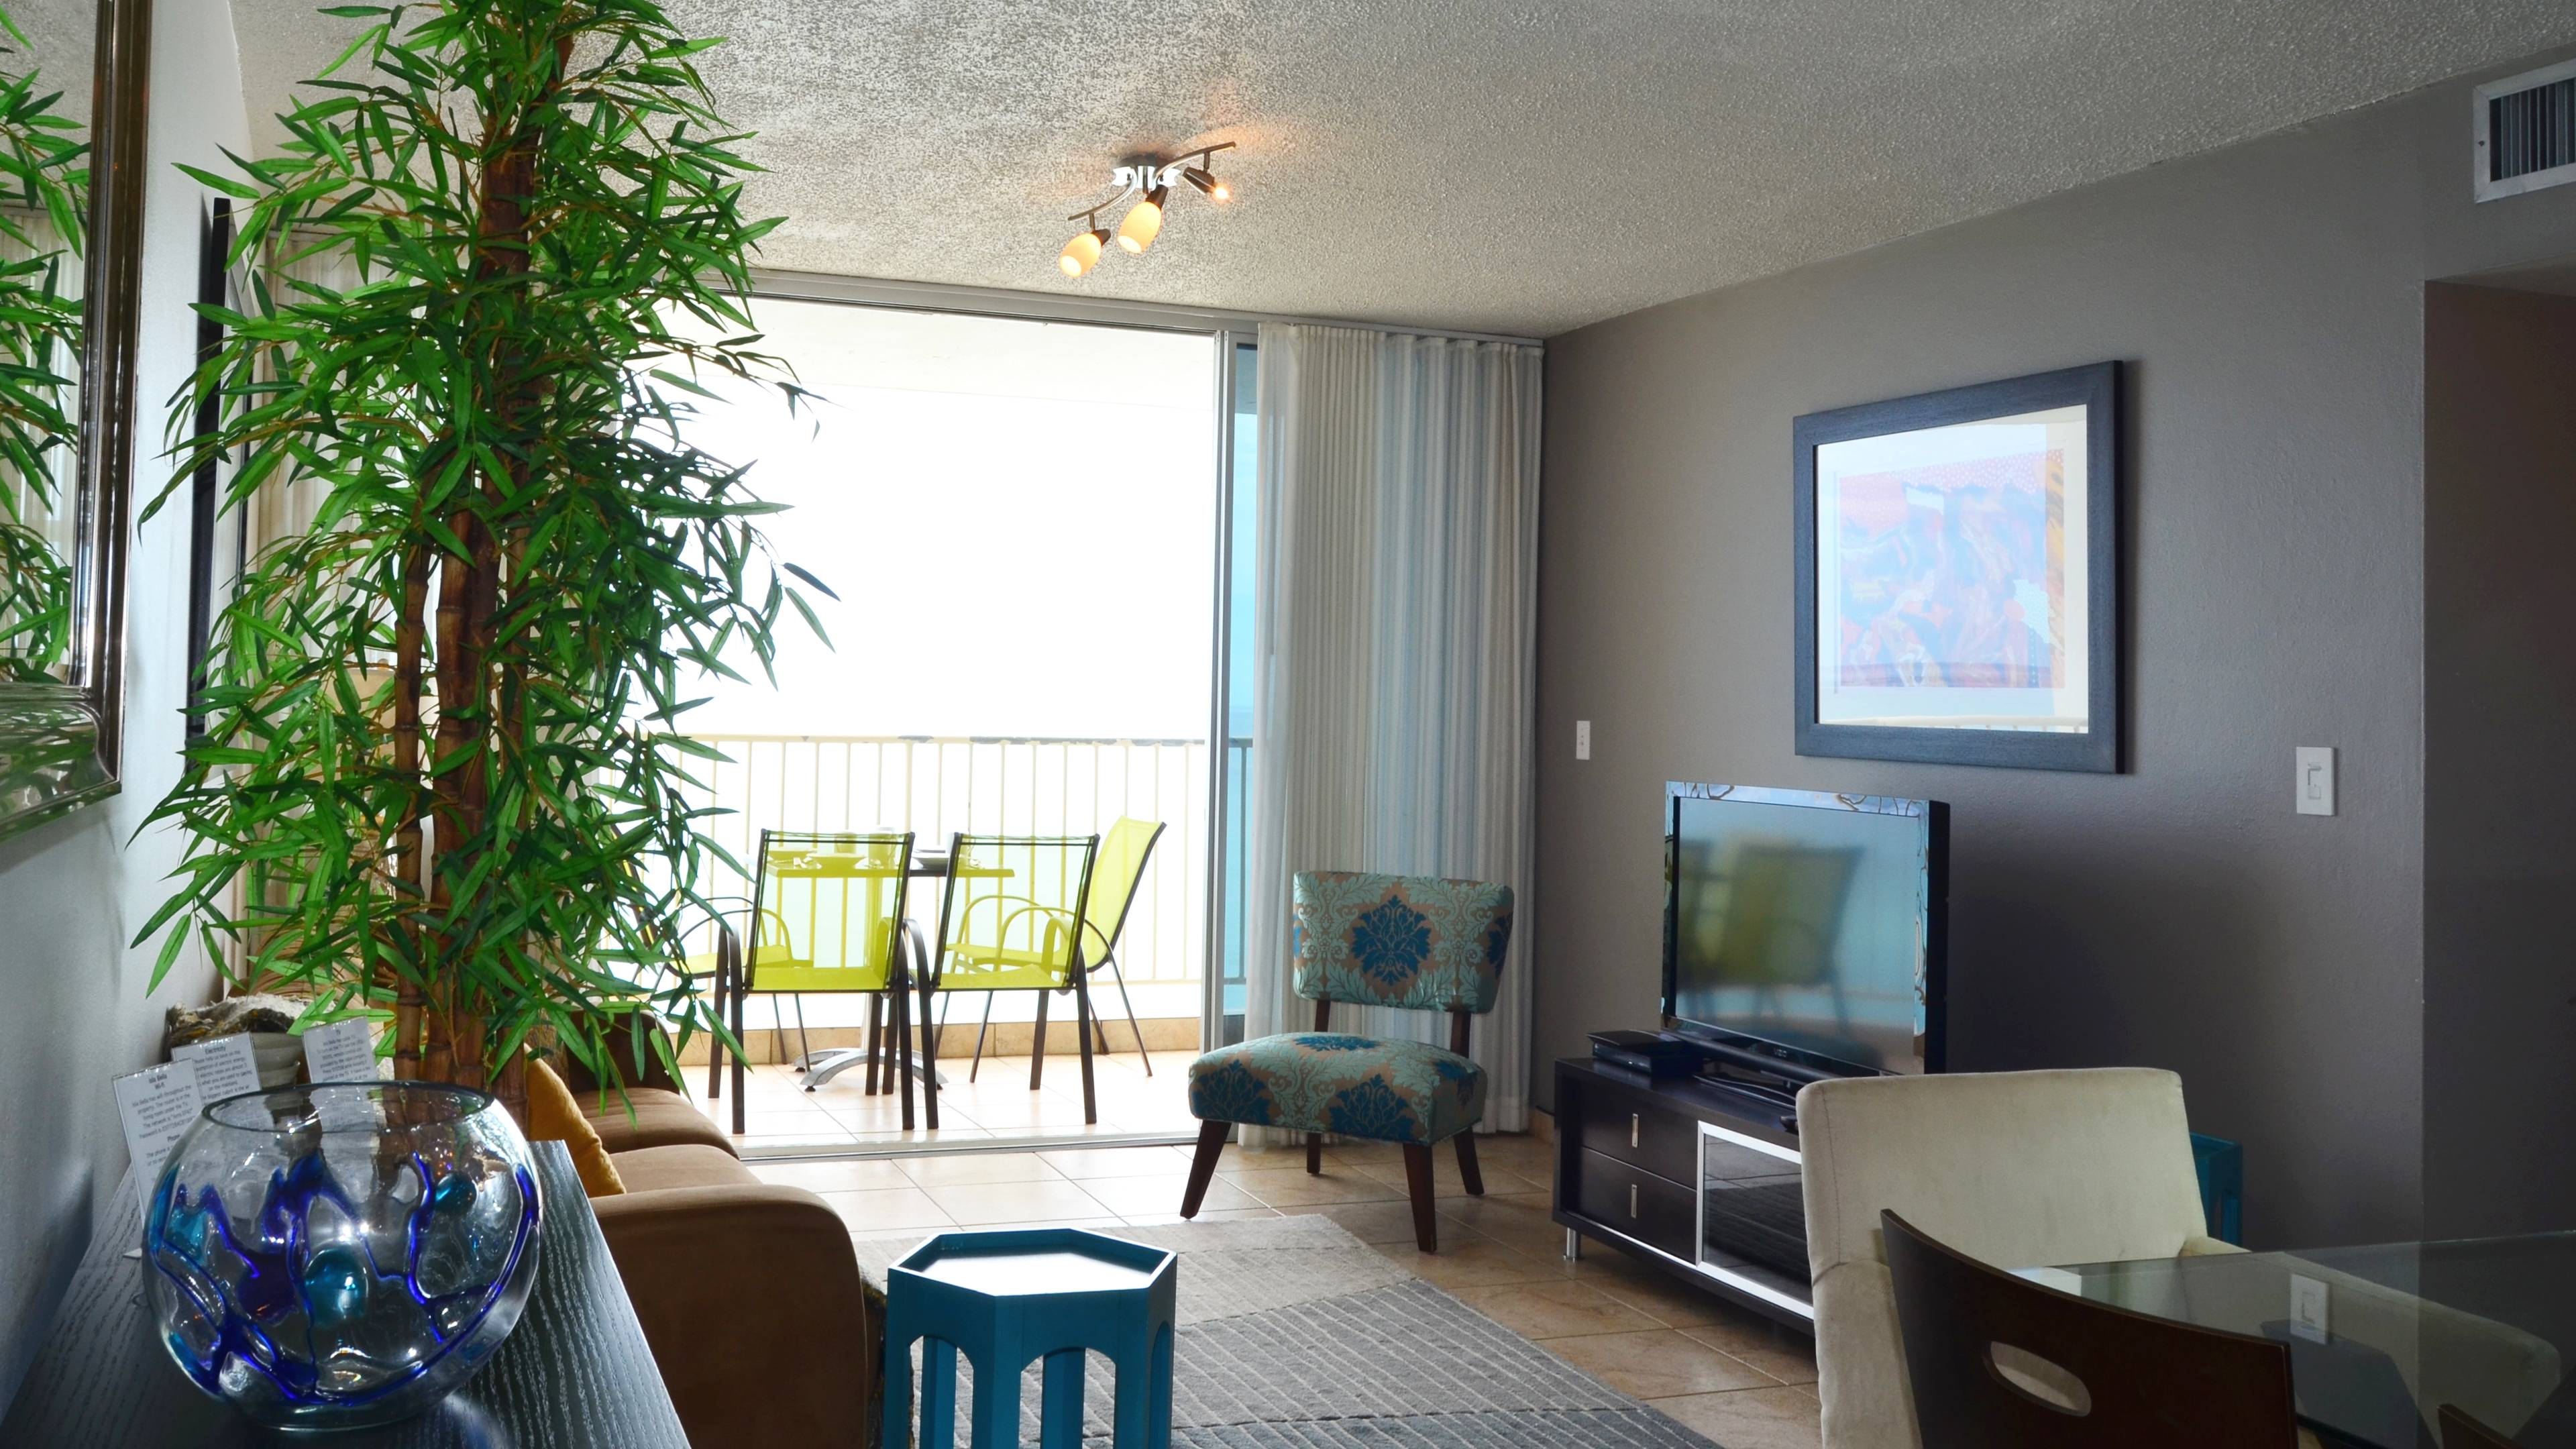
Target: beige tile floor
1723 1371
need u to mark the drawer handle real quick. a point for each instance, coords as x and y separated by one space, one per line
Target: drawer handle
1632 1199
1636 1127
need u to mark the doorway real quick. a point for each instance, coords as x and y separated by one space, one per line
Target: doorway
1026 530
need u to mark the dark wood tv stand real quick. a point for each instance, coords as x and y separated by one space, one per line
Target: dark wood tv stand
1696 1178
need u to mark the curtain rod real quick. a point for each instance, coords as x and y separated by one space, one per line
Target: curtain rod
1056 307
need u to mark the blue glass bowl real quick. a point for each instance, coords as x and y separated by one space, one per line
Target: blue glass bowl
332 1256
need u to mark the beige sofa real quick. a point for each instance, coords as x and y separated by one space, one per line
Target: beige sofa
2025 1169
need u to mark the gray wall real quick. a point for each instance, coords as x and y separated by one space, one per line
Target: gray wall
2268 301
2499 782
73 1011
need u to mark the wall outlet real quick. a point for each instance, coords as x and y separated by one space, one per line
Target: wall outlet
2308 1309
1583 739
2316 785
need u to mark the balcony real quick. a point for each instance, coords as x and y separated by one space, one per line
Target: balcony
936 786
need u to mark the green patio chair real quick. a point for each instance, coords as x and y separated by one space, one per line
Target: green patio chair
1012 919
828 916
1116 873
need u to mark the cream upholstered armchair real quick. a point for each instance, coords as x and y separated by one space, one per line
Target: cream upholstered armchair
2025 1169
2012 1168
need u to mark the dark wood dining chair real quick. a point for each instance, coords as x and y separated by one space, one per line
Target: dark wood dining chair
2140 1382
2459 1431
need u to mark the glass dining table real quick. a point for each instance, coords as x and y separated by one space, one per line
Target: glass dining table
2382 1337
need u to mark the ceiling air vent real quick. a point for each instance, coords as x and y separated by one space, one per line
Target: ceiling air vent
2527 132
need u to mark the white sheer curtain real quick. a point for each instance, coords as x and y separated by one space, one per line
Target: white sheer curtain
1395 635
286 505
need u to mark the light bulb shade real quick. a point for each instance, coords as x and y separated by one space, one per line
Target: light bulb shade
1208 185
1081 252
1143 222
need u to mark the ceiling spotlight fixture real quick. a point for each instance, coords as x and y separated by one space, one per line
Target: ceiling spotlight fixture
1083 252
1143 222
1150 182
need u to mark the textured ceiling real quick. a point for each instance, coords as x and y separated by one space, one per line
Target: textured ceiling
1519 166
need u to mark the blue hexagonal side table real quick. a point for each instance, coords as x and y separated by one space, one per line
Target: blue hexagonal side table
1005 1299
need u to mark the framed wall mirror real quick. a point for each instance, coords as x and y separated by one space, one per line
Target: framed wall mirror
72 107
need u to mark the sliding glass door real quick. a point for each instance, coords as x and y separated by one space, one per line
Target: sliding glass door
1036 538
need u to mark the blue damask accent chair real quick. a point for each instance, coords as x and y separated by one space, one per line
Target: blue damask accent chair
1369 940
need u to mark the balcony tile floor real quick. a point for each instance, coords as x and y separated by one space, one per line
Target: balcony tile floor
1718 1369
780 1116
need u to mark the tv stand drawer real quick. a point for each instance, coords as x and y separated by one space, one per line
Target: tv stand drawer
1654 1210
1641 1132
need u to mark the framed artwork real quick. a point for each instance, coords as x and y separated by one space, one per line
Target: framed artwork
1958 575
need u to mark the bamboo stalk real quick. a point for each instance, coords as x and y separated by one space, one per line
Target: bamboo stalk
438 1052
468 677
409 866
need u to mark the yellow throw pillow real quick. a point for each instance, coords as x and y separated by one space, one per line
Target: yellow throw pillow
553 1116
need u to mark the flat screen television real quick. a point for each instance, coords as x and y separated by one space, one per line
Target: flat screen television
1803 931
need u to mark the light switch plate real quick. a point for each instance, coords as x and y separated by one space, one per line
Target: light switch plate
2316 785
2308 1309
1583 739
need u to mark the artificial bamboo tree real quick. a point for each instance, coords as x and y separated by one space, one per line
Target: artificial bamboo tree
443 778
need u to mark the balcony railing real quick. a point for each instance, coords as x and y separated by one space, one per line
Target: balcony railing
938 786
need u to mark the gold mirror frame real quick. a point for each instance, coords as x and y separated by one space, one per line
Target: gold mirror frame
62 745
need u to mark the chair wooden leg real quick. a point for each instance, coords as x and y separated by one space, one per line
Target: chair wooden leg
1314 1154
1037 1044
1087 1022
1203 1166
1468 1173
1417 1182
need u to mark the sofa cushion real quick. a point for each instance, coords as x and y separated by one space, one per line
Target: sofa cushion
659 1119
687 1164
1357 1086
553 1116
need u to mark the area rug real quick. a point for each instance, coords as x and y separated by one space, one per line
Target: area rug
1296 1335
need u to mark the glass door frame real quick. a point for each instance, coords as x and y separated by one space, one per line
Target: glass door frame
1234 381
1232 331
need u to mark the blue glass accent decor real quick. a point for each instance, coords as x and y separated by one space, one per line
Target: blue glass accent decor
326 1257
